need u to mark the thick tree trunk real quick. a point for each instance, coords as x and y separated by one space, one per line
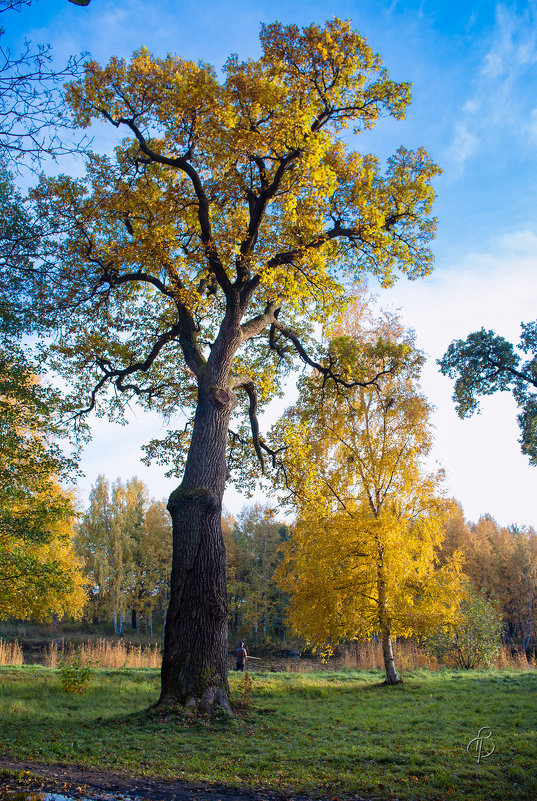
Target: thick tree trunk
194 666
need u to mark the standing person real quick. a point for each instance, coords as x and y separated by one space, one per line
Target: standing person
242 656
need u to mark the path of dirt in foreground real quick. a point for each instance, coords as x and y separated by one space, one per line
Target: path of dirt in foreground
76 781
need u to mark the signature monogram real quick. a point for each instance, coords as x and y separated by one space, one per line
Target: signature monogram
475 746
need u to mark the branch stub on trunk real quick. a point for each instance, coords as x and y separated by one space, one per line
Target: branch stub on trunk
222 397
204 495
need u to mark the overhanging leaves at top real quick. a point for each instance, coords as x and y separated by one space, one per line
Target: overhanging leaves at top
233 214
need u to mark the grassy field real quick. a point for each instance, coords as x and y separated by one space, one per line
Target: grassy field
332 733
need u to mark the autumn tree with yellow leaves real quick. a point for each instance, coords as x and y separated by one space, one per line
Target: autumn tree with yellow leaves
40 576
363 557
187 269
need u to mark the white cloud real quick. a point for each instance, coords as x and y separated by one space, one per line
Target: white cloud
493 65
463 146
471 106
499 89
494 289
531 126
514 42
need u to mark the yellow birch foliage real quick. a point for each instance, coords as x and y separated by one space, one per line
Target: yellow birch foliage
363 558
39 573
331 571
42 577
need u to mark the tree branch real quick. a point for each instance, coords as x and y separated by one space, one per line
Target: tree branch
187 327
254 326
258 207
244 381
117 376
339 500
501 367
326 372
180 162
116 280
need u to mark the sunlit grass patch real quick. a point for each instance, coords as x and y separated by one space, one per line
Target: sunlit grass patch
334 733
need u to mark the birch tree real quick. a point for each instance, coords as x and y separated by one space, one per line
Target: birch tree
363 558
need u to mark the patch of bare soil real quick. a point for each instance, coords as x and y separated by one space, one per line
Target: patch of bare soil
77 782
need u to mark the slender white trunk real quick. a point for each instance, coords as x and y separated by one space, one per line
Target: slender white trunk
392 676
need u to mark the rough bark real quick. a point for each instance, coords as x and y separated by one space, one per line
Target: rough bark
194 667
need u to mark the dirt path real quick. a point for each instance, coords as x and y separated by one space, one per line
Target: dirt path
97 784
76 781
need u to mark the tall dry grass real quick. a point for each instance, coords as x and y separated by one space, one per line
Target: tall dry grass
408 655
10 653
300 666
105 654
514 659
50 655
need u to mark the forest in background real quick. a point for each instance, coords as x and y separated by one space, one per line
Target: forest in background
124 541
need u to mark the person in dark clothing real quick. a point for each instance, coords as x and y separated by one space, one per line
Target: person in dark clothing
242 656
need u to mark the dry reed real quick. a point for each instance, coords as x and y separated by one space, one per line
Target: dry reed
408 655
10 653
511 658
105 654
299 666
50 655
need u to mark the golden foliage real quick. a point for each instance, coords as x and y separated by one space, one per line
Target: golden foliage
41 578
237 194
363 558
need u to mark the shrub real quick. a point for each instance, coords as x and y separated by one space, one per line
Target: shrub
472 642
75 674
242 692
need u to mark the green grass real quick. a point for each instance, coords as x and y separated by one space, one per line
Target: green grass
332 733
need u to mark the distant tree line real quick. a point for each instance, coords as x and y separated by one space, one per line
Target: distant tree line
124 541
254 549
501 563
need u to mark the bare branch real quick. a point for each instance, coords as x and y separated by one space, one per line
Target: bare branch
32 110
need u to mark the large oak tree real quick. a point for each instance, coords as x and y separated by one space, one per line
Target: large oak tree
188 269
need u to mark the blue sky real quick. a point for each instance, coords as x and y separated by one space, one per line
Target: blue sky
474 73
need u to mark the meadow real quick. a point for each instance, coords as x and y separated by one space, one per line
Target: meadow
333 733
